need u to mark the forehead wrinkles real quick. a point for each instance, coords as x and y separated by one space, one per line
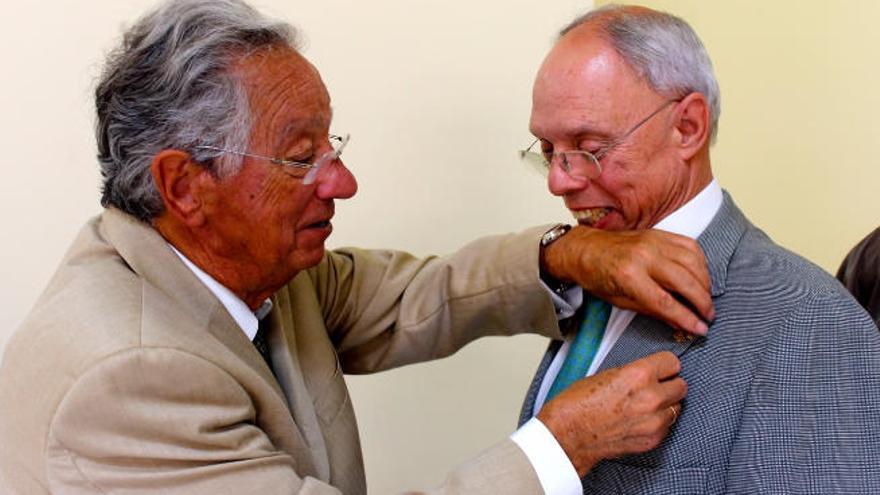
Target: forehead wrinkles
286 93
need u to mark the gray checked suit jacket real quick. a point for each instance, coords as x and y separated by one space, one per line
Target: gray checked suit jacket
784 393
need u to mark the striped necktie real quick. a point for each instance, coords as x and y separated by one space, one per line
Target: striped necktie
583 348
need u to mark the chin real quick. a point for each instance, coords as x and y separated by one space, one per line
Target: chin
307 258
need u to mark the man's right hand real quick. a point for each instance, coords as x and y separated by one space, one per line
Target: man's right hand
638 270
619 411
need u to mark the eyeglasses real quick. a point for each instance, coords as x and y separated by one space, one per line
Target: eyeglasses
579 164
307 172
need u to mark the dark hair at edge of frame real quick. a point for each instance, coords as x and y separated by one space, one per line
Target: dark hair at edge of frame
171 84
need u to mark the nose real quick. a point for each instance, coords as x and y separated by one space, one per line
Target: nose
560 182
336 182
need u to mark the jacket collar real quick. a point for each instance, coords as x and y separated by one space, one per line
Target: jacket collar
152 259
646 335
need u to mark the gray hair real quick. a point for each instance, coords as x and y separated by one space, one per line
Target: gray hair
172 84
661 48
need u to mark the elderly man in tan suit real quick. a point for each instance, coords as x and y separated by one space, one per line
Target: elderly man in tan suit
195 337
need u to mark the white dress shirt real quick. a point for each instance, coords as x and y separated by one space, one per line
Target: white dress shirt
248 321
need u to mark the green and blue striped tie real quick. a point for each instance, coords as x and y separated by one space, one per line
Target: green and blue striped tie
583 348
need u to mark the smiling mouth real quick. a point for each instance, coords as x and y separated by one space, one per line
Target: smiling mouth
590 216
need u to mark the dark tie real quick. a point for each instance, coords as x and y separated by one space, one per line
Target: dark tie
262 343
583 348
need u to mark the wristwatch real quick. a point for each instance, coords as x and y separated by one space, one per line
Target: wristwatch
552 235
557 286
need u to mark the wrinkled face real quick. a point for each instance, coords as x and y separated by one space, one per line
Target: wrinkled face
586 97
271 223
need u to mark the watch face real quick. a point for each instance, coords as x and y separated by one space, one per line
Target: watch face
554 233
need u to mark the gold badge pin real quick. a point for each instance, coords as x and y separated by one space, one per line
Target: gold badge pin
682 336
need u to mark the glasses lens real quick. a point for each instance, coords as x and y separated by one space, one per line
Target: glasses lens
536 162
338 144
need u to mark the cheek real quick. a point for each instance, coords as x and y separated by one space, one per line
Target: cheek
281 202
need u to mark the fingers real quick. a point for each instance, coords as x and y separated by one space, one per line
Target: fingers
655 301
661 365
685 273
618 411
679 278
673 391
687 253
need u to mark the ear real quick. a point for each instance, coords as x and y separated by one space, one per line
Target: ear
692 125
178 179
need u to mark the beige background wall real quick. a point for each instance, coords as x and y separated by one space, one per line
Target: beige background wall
436 96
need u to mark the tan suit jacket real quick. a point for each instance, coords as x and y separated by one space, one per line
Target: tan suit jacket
129 376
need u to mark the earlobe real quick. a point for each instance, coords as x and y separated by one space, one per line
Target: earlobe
177 179
692 125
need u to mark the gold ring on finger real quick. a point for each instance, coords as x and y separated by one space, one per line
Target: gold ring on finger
674 415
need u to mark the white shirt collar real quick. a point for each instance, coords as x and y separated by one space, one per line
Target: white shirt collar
246 319
694 216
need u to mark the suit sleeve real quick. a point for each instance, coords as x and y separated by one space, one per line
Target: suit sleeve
805 431
386 309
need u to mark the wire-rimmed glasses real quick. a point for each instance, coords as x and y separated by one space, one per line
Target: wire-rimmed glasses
579 164
307 172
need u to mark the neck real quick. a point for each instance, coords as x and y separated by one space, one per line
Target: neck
699 175
240 277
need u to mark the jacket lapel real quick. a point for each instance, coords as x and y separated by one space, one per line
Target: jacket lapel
148 255
645 335
528 407
289 374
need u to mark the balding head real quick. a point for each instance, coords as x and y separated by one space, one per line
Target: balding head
660 47
646 143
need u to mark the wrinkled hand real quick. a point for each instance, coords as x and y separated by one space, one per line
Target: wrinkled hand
619 411
637 270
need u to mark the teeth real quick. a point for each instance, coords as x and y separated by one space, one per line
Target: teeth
591 215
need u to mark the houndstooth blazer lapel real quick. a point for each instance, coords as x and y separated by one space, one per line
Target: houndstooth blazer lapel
645 335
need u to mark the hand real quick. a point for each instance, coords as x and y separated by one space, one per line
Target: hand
637 270
619 411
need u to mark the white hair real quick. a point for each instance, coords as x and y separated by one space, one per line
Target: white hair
171 84
661 48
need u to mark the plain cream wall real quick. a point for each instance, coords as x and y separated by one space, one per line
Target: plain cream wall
799 120
436 95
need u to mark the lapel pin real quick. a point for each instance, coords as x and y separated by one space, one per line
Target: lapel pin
680 336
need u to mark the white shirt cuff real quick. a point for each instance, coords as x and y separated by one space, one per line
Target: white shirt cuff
555 472
568 302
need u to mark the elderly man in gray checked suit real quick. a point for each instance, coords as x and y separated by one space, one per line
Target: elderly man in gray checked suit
784 391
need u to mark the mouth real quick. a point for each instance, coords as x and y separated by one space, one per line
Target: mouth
319 225
590 216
